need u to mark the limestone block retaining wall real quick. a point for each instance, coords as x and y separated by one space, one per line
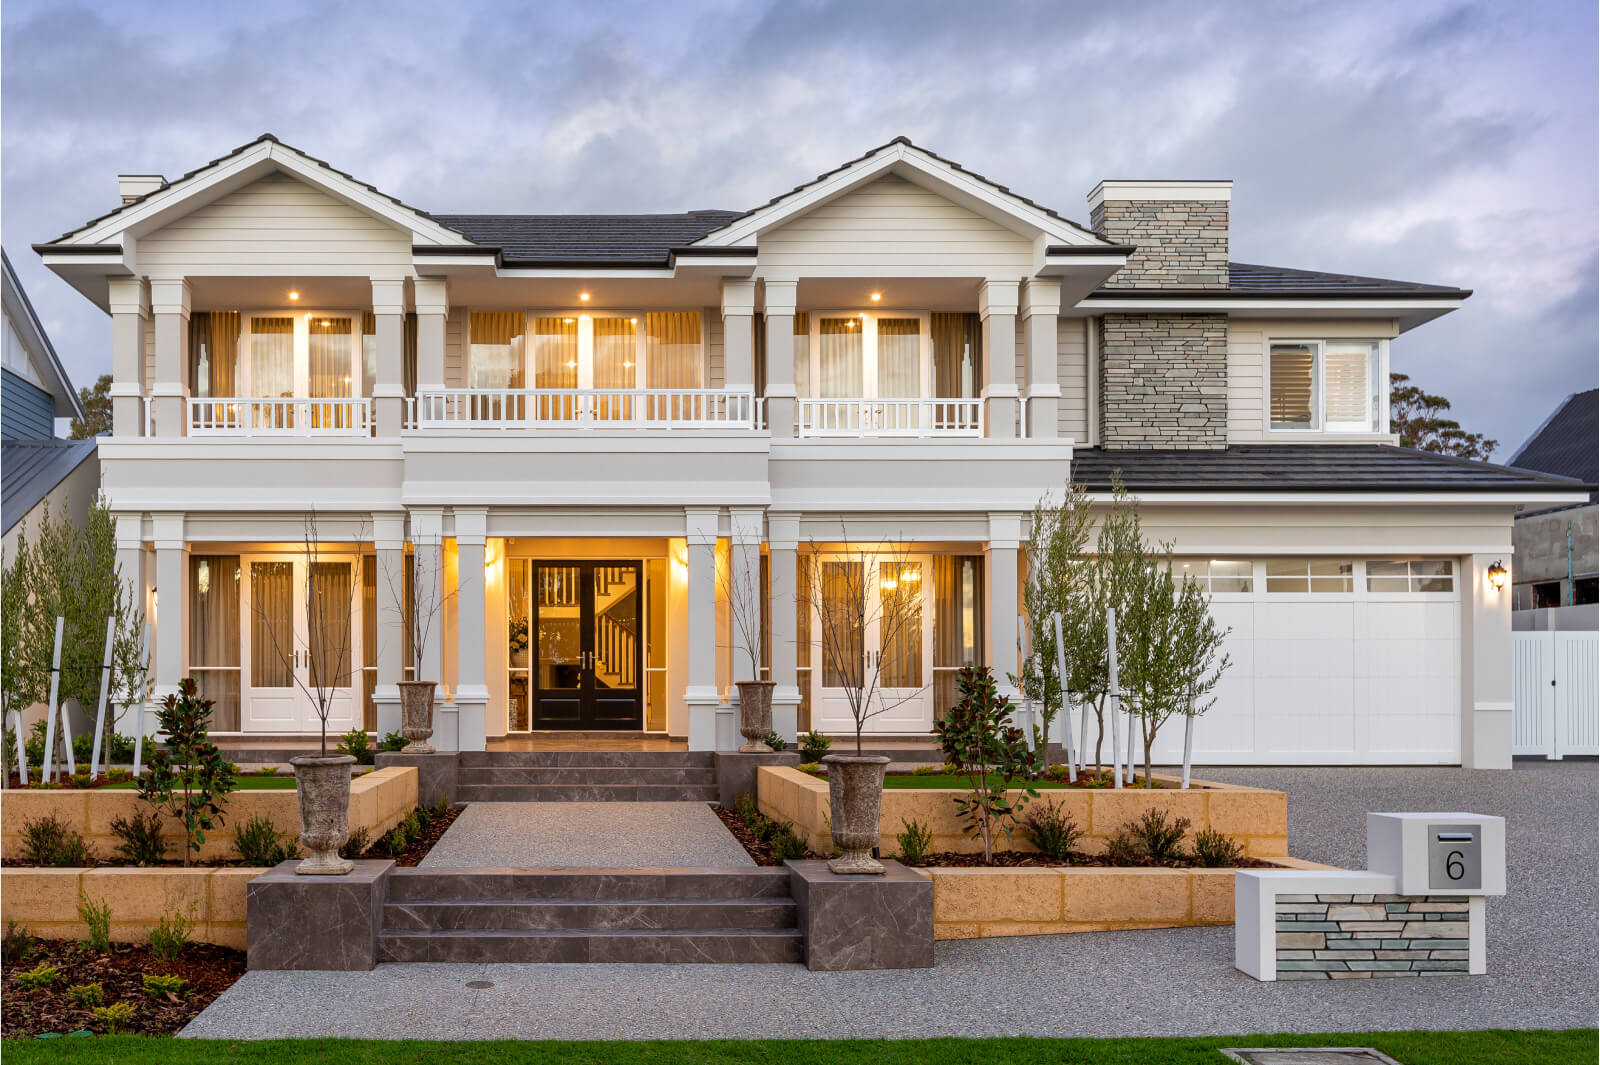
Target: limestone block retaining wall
378 801
1257 818
45 901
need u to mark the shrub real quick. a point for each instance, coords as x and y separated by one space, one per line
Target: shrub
83 747
170 935
359 745
86 994
397 841
745 809
392 741
356 845
267 771
1052 831
763 828
809 767
976 736
17 944
33 746
1125 849
82 780
158 984
117 775
815 745
97 915
258 843
775 741
1215 850
927 770
40 976
48 841
786 844
188 778
113 1018
1162 841
914 838
139 840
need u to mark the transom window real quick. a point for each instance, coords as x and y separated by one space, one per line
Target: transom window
1289 575
1217 575
1327 385
622 350
1414 575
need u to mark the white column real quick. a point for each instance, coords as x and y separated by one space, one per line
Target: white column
779 304
169 301
388 384
130 310
1486 650
997 305
172 570
471 693
744 581
389 542
428 577
700 694
783 541
1000 583
738 338
433 305
1041 306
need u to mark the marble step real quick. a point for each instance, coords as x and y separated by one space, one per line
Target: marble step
589 774
673 759
586 793
637 915
600 885
724 946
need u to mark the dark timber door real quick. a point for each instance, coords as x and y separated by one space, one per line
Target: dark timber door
589 645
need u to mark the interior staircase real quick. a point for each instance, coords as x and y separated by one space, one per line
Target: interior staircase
591 915
586 776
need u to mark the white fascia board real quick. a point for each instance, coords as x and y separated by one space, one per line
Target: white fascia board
1377 499
566 494
938 177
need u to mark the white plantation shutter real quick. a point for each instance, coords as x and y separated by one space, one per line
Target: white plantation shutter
1293 385
1347 388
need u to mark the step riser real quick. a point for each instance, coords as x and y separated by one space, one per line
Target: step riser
655 776
611 916
606 886
647 948
586 793
619 759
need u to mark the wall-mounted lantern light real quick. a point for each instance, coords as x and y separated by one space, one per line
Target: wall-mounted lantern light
1496 574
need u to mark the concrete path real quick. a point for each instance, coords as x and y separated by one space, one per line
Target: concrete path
590 834
1542 958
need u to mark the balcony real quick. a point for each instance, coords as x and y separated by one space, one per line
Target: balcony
868 417
300 417
567 408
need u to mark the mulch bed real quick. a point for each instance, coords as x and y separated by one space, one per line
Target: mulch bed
949 859
27 1012
760 851
419 847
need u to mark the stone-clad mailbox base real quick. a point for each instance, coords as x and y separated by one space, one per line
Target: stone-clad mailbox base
1342 937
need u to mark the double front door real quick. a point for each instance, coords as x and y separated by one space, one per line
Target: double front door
300 623
588 646
873 642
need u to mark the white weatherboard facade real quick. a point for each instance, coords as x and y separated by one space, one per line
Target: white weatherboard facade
592 450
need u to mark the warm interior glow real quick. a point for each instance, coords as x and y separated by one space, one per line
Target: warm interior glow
326 323
293 295
583 296
876 296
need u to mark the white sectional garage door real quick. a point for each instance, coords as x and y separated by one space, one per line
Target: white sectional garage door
1336 665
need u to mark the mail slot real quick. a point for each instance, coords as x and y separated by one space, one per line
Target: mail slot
1455 857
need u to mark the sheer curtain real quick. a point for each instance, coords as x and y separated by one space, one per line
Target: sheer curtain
271 624
213 354
615 346
958 598
330 634
957 355
839 358
899 358
272 357
328 357
674 356
214 634
555 353
369 352
495 359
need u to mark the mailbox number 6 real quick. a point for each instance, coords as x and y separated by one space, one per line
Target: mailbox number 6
1453 867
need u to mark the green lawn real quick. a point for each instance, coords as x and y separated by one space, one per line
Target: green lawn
1409 1048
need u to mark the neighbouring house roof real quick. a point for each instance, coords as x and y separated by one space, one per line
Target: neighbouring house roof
1304 468
33 469
1568 443
31 331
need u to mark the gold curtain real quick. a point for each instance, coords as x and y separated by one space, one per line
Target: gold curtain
555 353
369 640
329 614
408 352
958 603
272 624
758 352
213 354
802 354
674 356
214 634
496 349
957 355
615 345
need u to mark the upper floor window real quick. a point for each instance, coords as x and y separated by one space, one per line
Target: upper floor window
214 354
1333 386
658 349
495 356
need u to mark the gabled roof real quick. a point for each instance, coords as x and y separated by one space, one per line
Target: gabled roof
1306 468
1568 443
244 164
33 469
543 239
31 332
956 182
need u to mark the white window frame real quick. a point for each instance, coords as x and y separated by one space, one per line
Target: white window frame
1378 367
869 351
243 383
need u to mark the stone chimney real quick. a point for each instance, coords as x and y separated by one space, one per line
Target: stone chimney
132 186
1164 376
1179 227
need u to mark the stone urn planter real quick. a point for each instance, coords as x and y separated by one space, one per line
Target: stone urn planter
855 800
416 715
322 783
755 715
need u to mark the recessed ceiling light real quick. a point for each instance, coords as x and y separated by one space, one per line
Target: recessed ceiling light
293 295
876 296
584 296
326 323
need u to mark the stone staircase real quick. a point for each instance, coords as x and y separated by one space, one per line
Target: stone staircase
590 915
587 776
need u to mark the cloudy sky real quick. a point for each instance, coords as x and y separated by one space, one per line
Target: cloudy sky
1442 142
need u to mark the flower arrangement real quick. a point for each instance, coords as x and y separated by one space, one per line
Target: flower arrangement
519 635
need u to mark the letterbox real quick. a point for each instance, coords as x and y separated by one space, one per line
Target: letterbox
1439 853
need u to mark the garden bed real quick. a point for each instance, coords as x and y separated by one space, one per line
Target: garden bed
245 782
915 780
760 850
208 970
1030 860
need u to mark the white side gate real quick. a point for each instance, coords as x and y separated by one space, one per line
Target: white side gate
1556 676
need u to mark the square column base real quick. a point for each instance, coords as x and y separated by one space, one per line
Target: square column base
863 922
315 922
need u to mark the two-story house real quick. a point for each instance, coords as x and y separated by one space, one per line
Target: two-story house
596 424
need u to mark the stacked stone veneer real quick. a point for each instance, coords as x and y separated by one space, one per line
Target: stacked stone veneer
1181 243
1164 380
1342 937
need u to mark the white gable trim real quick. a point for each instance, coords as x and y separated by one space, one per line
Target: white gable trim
249 165
920 168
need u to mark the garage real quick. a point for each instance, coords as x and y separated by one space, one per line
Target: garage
1334 661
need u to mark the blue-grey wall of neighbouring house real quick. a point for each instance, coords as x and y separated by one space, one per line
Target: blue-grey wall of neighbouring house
27 412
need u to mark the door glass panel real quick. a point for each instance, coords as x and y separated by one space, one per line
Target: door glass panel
329 616
555 353
615 351
272 357
841 628
899 358
560 647
839 358
328 346
272 626
900 623
673 356
518 641
616 627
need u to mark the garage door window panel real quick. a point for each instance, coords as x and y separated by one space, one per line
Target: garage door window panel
1410 577
1310 576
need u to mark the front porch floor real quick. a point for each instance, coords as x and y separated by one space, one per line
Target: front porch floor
586 835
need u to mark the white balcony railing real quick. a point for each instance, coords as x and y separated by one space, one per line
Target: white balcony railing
890 417
566 408
249 416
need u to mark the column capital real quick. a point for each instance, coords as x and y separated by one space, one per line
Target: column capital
1005 530
701 525
128 295
432 295
997 298
130 530
783 531
778 297
167 531
746 525
170 295
738 296
1041 295
389 532
388 296
472 526
427 525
